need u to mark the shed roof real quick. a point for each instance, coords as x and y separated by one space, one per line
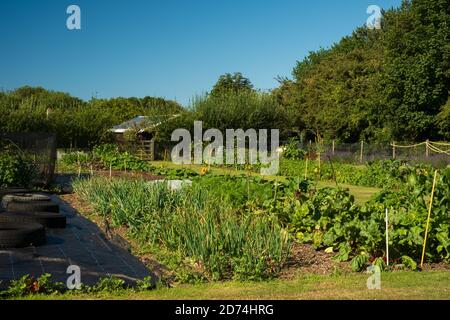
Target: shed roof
142 123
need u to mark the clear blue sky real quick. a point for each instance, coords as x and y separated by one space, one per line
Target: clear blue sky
168 48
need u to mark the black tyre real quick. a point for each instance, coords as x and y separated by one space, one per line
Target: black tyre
19 235
6 191
25 197
32 206
9 191
47 219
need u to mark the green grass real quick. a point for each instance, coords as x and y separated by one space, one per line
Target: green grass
396 285
361 194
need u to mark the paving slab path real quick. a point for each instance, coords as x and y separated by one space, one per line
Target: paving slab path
81 243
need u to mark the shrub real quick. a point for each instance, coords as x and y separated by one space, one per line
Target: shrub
16 169
109 155
291 151
76 159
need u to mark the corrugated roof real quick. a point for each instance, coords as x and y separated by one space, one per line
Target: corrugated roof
142 123
137 122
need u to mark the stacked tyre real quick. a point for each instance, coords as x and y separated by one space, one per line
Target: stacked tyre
25 218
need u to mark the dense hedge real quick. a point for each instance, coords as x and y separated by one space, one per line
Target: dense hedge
76 123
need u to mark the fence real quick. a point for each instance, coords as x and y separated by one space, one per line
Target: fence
436 153
40 148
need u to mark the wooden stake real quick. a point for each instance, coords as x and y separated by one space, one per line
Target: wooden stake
387 237
393 150
306 168
428 220
332 148
361 155
319 165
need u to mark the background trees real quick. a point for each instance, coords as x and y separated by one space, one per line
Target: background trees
378 85
375 85
416 76
75 122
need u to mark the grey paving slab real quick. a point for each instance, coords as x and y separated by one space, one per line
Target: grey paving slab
81 243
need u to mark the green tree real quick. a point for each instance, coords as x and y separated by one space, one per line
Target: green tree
335 91
416 76
234 83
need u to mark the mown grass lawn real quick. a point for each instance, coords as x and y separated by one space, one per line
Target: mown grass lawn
394 286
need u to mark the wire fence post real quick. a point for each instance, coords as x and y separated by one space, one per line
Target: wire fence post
332 148
319 165
393 150
427 150
306 168
361 155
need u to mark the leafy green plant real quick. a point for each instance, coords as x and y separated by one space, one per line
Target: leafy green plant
409 263
111 284
360 262
330 218
379 262
145 284
292 151
108 155
15 168
76 159
28 285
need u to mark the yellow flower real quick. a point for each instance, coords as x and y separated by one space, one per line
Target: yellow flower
204 171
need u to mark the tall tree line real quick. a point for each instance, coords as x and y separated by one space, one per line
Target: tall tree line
378 85
76 123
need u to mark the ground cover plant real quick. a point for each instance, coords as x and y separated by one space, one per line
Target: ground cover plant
28 286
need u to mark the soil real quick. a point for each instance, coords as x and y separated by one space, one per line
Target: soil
306 259
128 175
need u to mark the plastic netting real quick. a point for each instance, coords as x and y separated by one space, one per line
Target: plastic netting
426 152
40 148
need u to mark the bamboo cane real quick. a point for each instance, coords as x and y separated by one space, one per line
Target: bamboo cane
306 168
428 220
387 237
